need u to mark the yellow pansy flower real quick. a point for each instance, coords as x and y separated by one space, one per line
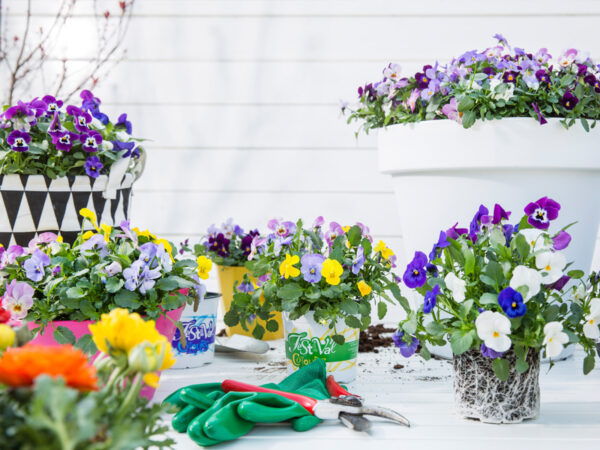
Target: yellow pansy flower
346 228
89 215
386 252
106 229
146 233
167 245
88 234
204 267
332 270
364 288
287 269
59 239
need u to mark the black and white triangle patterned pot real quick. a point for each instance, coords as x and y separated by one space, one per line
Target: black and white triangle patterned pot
33 204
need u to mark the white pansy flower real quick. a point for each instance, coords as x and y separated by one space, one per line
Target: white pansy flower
554 339
535 239
526 277
592 320
493 329
506 95
551 265
107 145
457 286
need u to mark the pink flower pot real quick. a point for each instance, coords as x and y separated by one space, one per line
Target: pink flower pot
164 326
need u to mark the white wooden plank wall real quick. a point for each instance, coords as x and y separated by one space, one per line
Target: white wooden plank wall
239 98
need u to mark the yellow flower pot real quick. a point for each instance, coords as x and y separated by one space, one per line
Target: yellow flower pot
228 276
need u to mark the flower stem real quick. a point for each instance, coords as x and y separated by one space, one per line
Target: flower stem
132 395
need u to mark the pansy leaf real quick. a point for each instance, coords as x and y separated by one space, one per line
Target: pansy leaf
349 306
522 246
62 335
352 322
465 104
290 291
113 285
338 339
521 366
127 299
588 364
75 292
231 318
381 310
501 368
461 341
167 284
86 344
435 328
488 299
354 235
272 325
576 274
468 119
258 331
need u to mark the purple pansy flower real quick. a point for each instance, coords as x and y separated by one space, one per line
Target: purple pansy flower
10 256
440 244
490 353
123 123
416 273
543 76
499 214
56 271
138 275
367 92
406 350
219 244
18 298
119 146
34 266
501 39
539 114
65 140
91 141
358 262
335 230
19 140
431 299
480 218
246 242
508 231
246 287
53 105
126 228
55 127
489 71
509 76
311 266
592 81
512 303
319 222
455 232
569 101
280 228
92 104
560 283
81 118
542 212
96 242
561 240
93 166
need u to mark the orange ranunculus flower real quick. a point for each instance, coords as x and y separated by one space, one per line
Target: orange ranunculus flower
22 365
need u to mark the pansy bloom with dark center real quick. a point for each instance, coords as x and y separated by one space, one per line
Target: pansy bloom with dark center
19 140
91 141
569 101
64 140
93 166
540 213
416 272
512 303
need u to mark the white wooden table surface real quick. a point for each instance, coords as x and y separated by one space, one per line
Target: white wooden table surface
422 391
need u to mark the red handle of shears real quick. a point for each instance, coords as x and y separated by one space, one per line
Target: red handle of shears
235 386
335 390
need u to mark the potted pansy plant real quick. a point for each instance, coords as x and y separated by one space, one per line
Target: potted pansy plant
473 127
60 289
326 280
230 248
498 292
56 159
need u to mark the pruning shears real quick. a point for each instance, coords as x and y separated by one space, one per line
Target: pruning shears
342 405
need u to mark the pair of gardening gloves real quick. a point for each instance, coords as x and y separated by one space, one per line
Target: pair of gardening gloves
210 416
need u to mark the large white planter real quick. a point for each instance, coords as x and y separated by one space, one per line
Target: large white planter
442 173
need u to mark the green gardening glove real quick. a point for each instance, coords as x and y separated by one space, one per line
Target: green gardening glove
211 416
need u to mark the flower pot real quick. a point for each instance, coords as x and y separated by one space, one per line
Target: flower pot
443 172
164 325
307 340
199 327
479 394
32 204
228 277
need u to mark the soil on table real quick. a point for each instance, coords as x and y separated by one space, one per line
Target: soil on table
222 333
374 338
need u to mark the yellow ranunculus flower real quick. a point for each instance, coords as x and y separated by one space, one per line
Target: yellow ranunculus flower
364 288
88 234
7 336
204 267
89 215
386 252
332 270
287 269
106 229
